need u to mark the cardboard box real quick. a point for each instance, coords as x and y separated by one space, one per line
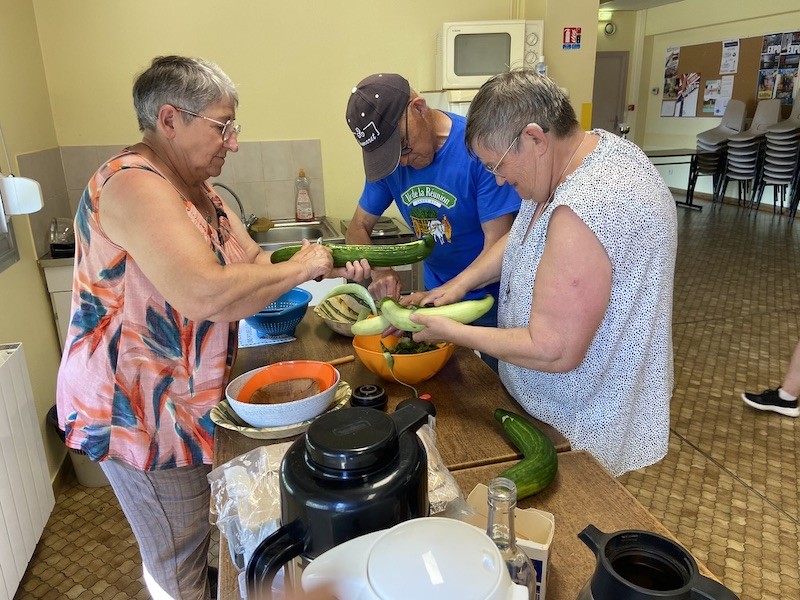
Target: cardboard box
533 528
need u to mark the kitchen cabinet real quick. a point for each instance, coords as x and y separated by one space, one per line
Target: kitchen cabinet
58 275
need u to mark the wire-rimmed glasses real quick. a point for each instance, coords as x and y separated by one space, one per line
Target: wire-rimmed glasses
229 127
493 170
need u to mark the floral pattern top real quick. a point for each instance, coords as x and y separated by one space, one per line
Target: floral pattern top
138 380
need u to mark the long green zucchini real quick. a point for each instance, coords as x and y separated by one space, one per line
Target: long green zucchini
465 311
534 472
386 255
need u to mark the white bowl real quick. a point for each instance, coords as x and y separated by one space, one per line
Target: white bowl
240 389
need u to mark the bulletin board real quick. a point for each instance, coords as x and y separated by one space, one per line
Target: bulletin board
705 59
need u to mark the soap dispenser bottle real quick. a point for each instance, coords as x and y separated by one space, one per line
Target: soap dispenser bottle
541 67
303 208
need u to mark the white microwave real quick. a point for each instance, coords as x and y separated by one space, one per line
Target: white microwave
468 53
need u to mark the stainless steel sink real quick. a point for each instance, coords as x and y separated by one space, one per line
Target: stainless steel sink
288 233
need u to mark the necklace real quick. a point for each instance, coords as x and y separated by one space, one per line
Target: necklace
207 214
540 208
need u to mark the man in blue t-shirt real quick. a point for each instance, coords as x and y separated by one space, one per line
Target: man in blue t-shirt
416 156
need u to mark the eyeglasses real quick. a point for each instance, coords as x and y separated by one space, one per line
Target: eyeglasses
229 127
493 170
405 148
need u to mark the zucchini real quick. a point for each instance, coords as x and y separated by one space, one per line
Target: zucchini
387 255
465 311
540 463
371 326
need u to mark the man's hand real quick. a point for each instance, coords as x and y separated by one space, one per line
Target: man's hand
385 282
354 271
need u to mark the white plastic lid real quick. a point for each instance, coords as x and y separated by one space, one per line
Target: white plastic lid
437 558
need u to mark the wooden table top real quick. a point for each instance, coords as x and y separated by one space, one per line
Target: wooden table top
465 392
582 493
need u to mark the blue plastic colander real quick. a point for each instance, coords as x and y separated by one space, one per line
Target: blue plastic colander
282 316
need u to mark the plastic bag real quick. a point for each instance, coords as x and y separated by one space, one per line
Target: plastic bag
444 495
246 500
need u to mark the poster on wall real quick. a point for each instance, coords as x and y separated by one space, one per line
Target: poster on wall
710 95
730 58
777 72
725 94
767 73
671 82
686 97
788 64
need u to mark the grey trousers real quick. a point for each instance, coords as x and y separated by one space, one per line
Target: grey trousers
168 513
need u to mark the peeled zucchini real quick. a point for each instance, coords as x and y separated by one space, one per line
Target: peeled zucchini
465 311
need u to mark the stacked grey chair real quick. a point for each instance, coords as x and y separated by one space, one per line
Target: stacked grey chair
780 168
746 150
712 146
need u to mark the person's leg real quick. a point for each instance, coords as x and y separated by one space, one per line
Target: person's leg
782 400
168 513
791 382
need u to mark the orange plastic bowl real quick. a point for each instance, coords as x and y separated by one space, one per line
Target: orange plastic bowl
240 390
408 368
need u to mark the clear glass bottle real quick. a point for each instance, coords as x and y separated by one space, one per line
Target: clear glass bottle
304 209
502 498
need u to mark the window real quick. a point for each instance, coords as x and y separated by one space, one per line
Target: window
8 249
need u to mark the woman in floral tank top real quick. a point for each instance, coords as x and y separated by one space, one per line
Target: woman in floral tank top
164 270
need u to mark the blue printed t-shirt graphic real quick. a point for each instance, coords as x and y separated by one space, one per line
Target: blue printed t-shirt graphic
449 199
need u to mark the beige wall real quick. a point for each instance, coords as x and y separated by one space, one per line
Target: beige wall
294 63
572 69
25 313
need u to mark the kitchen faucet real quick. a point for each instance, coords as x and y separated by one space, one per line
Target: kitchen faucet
248 221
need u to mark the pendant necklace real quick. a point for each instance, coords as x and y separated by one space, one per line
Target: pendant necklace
540 208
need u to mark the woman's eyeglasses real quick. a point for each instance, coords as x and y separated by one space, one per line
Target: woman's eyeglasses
493 170
229 127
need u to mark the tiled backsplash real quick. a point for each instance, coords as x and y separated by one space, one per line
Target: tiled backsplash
261 173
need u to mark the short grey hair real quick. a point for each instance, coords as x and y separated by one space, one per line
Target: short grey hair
509 101
190 83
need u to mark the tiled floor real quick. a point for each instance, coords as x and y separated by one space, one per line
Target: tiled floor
728 487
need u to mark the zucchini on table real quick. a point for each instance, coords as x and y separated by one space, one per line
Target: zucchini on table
540 463
387 255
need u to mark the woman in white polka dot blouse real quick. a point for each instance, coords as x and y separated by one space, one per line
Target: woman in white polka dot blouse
586 272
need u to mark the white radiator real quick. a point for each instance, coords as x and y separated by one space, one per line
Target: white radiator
26 494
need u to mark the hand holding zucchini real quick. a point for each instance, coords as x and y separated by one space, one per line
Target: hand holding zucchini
534 472
388 255
465 311
392 313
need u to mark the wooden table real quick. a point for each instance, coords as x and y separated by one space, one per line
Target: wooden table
465 392
582 493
